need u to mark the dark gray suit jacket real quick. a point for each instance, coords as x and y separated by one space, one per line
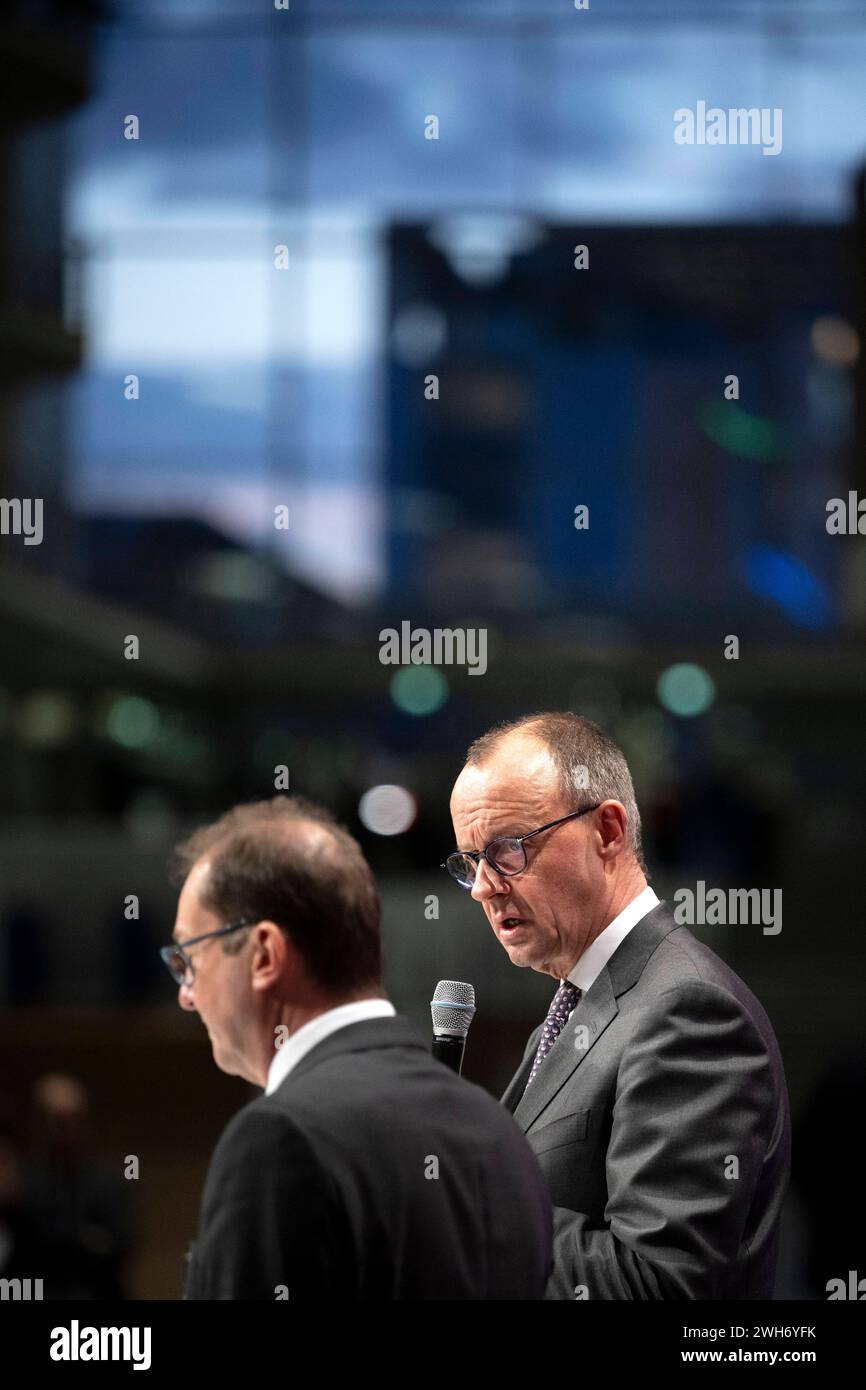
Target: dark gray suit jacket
372 1172
660 1119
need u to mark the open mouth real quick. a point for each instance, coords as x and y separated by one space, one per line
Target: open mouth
511 924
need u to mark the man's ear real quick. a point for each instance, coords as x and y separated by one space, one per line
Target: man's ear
270 951
614 827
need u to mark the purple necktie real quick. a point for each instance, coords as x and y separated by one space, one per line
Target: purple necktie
563 1004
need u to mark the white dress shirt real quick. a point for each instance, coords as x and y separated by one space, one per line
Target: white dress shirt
599 952
298 1044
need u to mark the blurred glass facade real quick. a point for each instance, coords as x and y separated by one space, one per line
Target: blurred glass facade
305 128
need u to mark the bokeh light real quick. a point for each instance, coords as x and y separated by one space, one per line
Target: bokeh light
419 690
835 340
133 722
686 689
387 809
46 719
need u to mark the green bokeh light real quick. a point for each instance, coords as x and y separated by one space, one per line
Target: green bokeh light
419 690
741 433
133 722
686 689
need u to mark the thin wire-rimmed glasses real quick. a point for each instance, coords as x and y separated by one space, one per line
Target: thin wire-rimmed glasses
179 964
505 854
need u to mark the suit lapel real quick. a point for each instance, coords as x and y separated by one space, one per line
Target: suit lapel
586 1025
514 1090
594 1012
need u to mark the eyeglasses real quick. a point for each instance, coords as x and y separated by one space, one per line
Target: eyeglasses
179 964
505 854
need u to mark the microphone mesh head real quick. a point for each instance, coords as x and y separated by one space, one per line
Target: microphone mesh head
452 1007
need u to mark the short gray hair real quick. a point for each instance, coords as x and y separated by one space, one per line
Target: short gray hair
591 767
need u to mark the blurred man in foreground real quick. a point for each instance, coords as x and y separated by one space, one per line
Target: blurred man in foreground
653 1093
367 1170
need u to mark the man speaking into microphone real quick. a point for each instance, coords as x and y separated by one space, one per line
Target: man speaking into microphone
653 1093
367 1170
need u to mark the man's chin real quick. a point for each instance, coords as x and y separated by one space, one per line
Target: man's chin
519 953
225 1063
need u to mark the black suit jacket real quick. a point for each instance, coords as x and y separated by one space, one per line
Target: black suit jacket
660 1119
372 1172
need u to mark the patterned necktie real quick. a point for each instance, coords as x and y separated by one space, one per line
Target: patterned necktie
563 1004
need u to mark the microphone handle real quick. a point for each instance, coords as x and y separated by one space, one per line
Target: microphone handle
449 1050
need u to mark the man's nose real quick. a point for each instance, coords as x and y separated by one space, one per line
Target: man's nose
487 882
184 996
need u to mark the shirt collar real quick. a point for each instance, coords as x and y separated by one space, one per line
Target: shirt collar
599 952
298 1044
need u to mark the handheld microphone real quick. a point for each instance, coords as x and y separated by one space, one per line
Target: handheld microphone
453 1009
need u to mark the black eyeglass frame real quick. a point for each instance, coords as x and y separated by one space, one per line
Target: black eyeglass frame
176 948
478 854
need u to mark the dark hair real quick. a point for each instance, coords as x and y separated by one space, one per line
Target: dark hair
590 765
319 889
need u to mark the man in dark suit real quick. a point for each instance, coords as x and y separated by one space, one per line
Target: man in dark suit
654 1093
367 1170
